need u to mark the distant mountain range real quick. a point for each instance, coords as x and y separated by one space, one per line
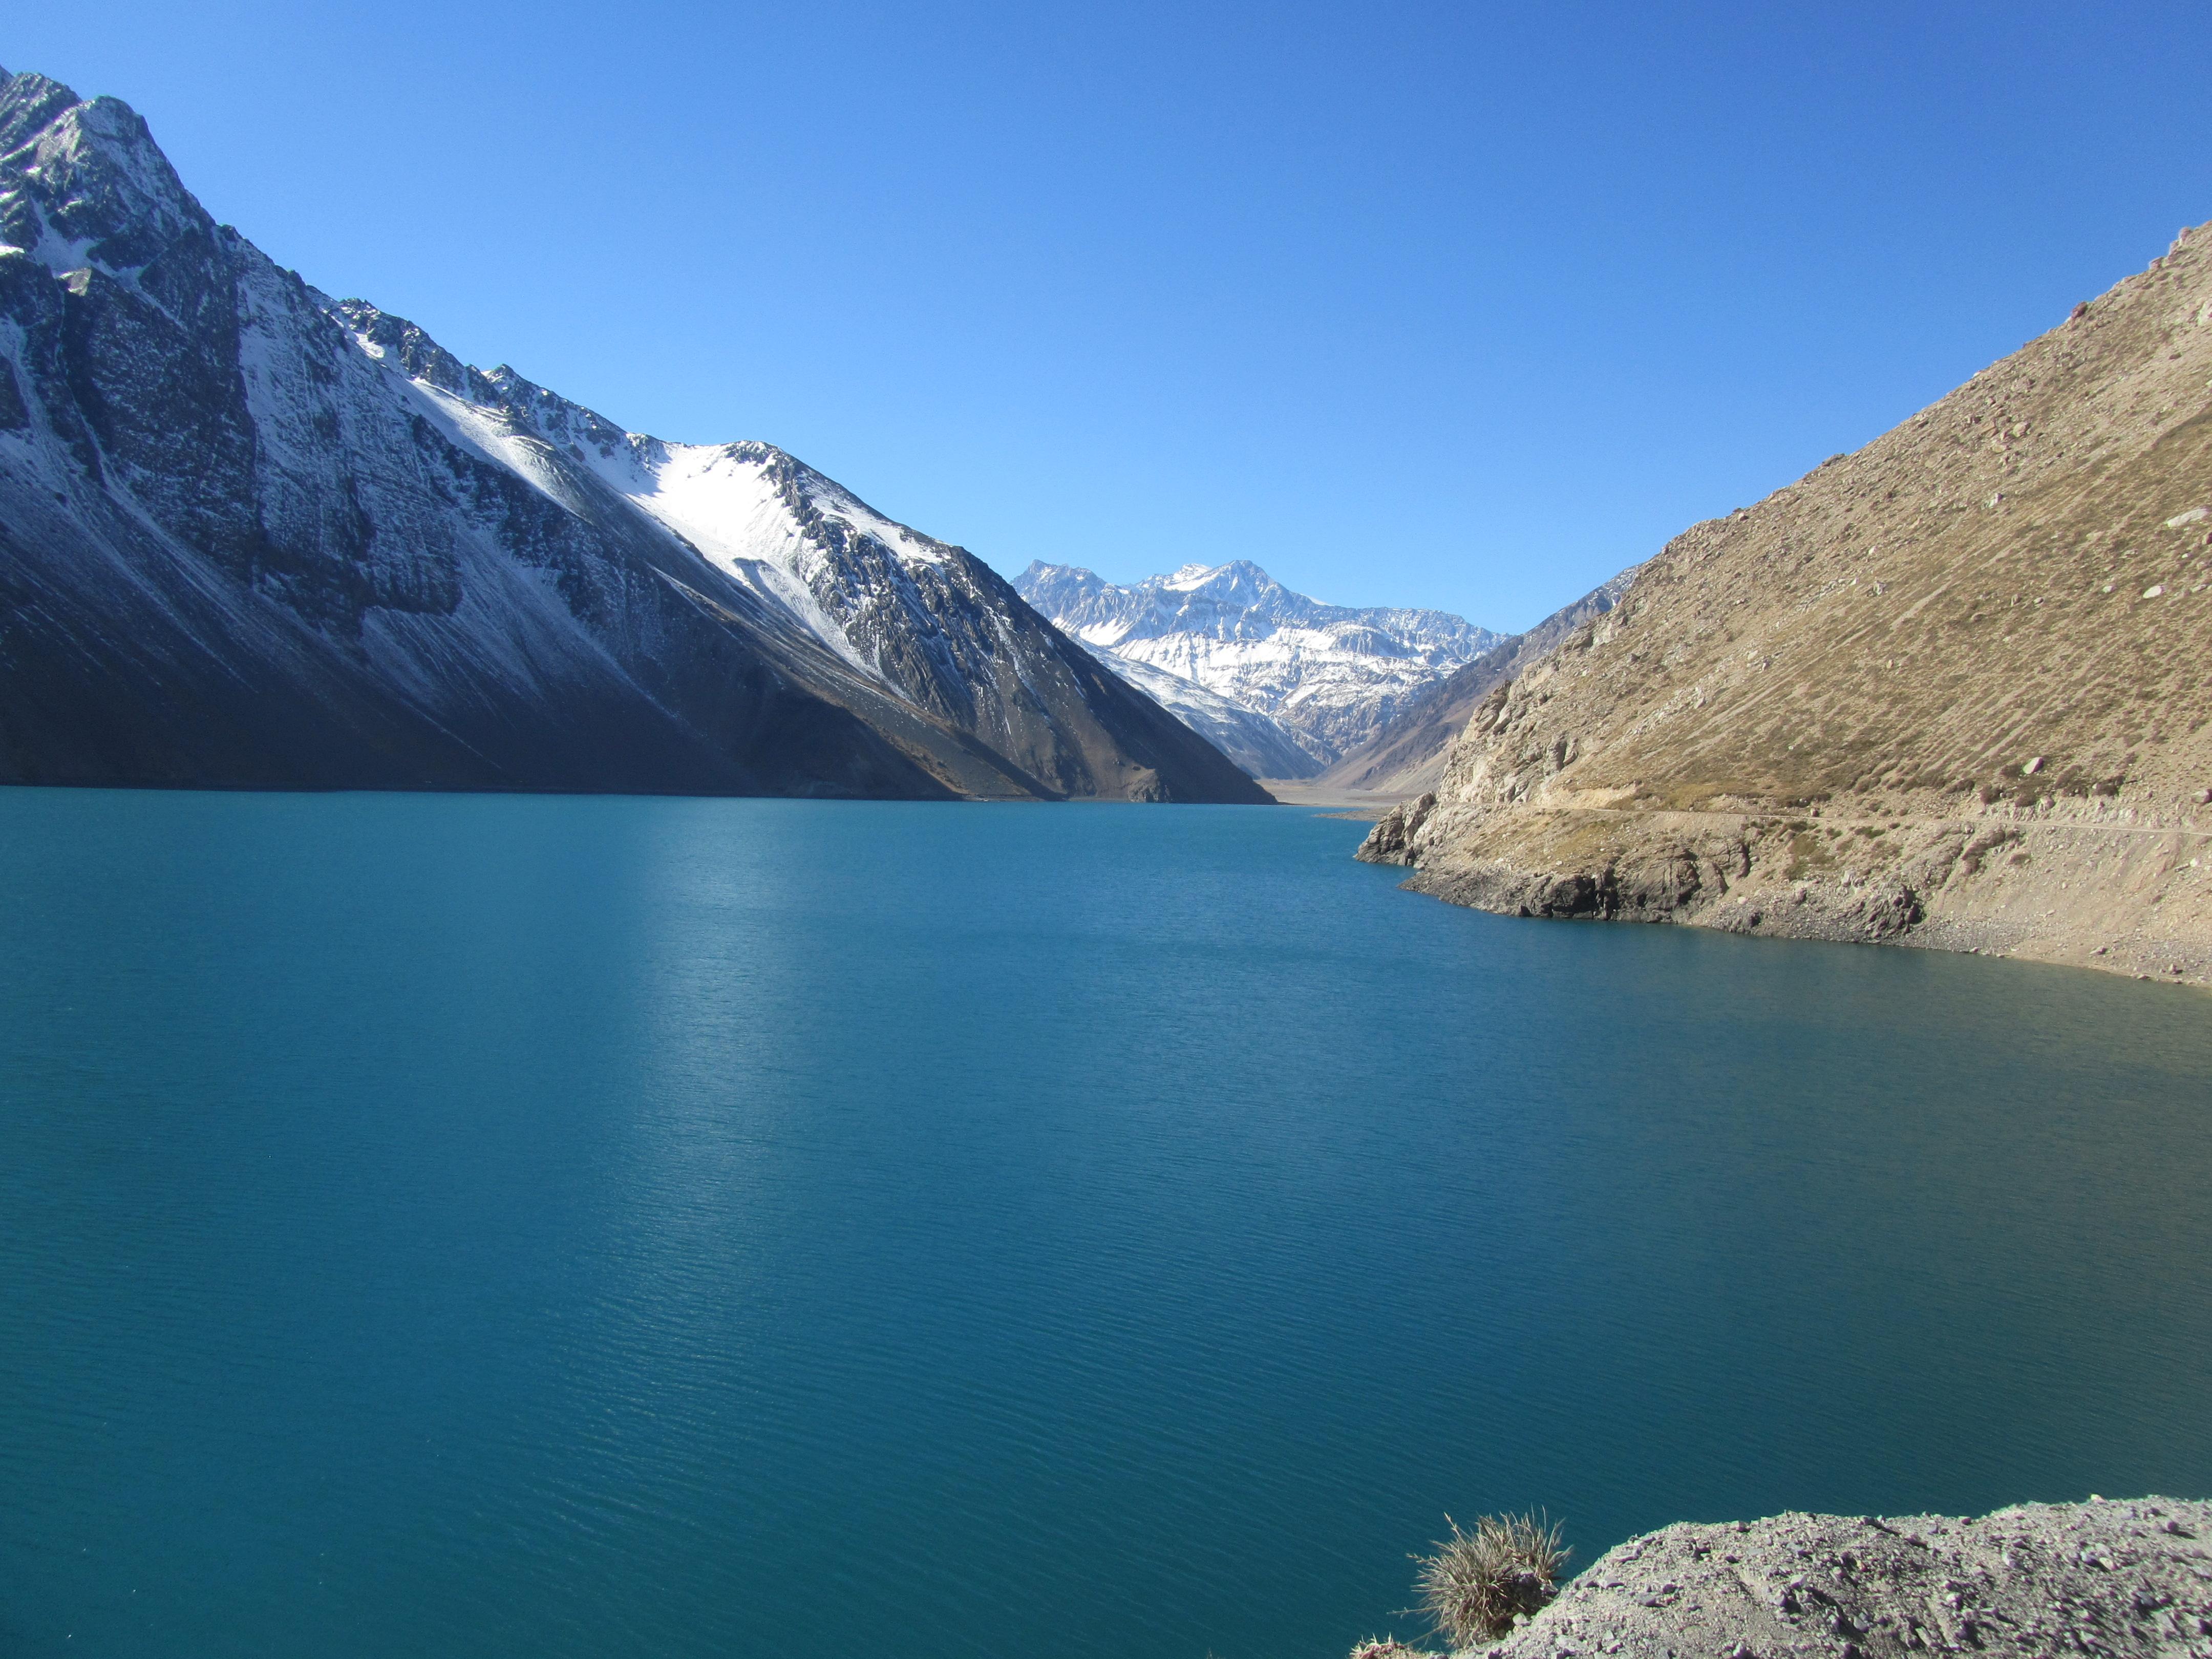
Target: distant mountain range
251 536
1285 684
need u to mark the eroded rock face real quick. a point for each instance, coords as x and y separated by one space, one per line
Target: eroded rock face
2112 1577
251 536
1393 839
1949 691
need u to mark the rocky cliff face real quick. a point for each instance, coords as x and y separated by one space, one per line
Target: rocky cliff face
1320 678
254 537
1949 691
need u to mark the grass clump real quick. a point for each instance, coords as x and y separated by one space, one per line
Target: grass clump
1478 1582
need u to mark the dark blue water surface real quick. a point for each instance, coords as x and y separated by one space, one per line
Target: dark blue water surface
586 1227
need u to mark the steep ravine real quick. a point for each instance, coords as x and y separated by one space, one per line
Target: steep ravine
1951 691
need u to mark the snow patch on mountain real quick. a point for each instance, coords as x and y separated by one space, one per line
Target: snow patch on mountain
747 508
1259 743
728 508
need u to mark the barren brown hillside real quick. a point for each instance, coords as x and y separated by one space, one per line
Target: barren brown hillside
1952 689
1407 754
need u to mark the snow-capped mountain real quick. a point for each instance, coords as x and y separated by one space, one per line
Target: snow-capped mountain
252 536
1324 676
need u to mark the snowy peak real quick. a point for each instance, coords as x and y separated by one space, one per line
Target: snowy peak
87 183
1239 577
1330 675
1240 600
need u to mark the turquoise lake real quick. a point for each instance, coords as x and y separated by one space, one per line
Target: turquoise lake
540 1227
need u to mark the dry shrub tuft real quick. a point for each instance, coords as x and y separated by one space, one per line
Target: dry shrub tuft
1478 1581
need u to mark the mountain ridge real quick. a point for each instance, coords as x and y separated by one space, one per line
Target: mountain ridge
254 537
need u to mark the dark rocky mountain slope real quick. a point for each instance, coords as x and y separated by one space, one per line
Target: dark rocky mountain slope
252 537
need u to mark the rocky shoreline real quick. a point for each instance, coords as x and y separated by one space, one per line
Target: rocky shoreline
2104 1577
2120 891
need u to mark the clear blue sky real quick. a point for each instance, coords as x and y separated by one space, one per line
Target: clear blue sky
1466 305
